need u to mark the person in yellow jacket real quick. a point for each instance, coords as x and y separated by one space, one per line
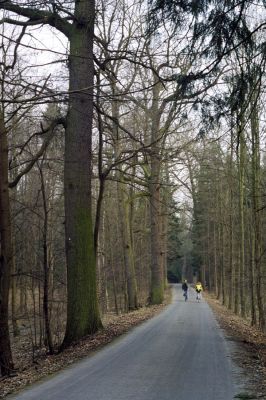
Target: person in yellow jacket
199 289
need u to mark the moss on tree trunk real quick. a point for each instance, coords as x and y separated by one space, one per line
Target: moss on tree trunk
82 310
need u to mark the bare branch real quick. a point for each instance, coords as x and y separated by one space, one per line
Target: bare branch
50 133
36 17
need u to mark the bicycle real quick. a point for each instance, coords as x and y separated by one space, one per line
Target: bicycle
185 294
198 297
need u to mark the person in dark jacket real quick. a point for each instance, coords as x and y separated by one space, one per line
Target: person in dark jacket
185 289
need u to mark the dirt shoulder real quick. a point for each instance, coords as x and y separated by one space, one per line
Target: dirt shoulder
29 371
251 356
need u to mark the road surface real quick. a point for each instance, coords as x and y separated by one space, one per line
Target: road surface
178 355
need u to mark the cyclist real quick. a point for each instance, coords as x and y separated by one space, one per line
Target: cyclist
199 289
185 289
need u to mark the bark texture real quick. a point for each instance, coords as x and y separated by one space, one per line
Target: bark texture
6 363
82 311
157 276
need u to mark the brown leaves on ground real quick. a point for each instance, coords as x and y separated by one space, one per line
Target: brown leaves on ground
253 359
29 371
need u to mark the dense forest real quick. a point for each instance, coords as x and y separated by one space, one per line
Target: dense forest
132 149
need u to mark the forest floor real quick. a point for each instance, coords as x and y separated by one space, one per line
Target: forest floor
251 348
28 371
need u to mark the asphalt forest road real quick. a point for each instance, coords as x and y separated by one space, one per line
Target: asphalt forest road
178 355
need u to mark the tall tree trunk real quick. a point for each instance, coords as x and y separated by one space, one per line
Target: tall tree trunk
101 175
221 262
257 273
164 225
157 281
157 275
222 242
124 216
46 271
14 279
6 253
82 305
223 265
241 173
231 232
124 224
15 326
208 268
82 309
215 261
184 268
253 280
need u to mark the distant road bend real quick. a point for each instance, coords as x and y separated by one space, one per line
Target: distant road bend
178 355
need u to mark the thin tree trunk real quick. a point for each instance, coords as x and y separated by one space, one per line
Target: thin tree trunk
124 219
34 334
231 236
40 309
208 272
101 174
46 269
253 280
241 172
114 286
221 266
184 268
215 261
15 326
157 281
14 279
257 273
157 275
123 210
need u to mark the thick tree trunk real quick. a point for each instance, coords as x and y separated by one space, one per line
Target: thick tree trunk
6 253
82 310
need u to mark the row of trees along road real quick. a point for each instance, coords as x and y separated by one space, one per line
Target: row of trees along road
90 166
